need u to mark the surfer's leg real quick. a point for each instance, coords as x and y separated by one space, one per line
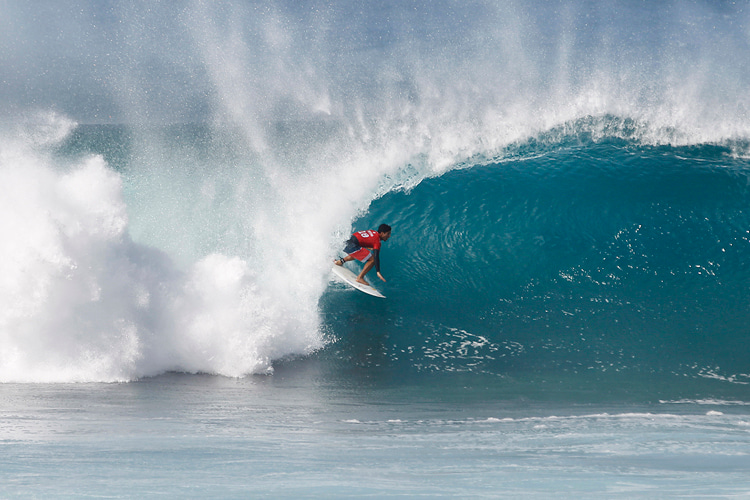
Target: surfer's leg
365 270
352 251
340 262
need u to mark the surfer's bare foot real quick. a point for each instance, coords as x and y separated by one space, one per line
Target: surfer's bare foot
361 280
339 262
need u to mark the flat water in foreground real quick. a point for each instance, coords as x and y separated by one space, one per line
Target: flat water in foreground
295 435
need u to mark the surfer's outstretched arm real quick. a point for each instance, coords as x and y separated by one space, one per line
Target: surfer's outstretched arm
376 261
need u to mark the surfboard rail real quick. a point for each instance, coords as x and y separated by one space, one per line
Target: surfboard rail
350 279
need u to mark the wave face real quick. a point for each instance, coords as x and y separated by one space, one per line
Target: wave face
587 258
175 184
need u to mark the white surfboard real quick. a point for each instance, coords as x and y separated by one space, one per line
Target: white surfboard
351 279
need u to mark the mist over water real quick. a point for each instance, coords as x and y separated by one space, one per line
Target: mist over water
197 233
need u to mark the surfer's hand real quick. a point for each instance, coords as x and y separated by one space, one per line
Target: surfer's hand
381 276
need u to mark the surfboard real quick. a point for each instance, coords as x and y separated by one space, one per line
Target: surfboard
351 279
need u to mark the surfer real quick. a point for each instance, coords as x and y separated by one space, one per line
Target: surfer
365 247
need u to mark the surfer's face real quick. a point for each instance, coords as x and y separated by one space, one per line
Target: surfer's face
385 236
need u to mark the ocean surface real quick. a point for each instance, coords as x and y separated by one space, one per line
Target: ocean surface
567 305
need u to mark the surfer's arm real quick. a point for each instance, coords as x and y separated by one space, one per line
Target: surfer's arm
376 258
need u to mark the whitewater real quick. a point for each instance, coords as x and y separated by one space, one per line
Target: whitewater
567 307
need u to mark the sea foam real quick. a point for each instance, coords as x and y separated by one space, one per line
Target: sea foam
83 302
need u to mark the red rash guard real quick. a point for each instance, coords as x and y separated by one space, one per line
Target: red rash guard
368 239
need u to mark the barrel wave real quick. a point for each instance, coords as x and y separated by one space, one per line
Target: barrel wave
574 258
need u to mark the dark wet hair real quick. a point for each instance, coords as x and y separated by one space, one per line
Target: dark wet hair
384 228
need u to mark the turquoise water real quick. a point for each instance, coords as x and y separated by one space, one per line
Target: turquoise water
295 435
567 300
602 259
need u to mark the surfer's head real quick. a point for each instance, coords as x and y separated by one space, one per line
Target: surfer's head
385 231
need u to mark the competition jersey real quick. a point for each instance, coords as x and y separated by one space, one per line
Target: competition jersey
368 239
